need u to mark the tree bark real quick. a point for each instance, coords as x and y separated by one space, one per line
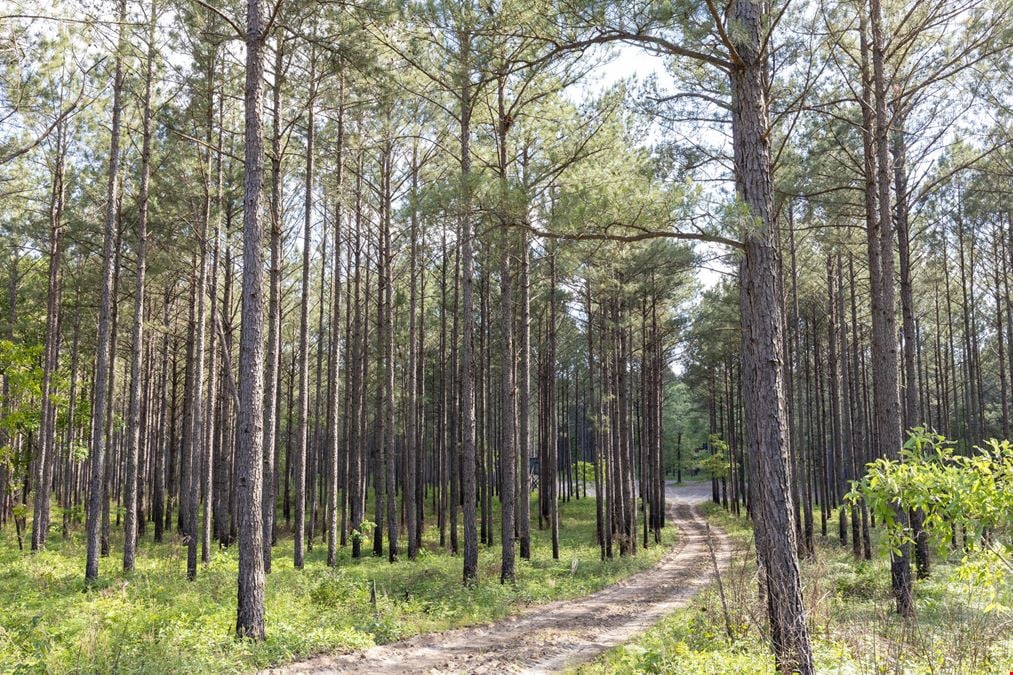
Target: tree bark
134 423
411 445
388 455
334 400
250 607
524 432
302 403
97 452
885 387
508 467
763 387
47 423
467 322
272 376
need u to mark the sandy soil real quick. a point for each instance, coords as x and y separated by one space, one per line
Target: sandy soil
562 634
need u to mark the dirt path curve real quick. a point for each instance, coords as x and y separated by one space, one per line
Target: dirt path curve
562 634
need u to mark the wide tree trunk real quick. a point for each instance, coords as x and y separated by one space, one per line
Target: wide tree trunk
250 607
551 421
763 386
908 327
198 447
356 435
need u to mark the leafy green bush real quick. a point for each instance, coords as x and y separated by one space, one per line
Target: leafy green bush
970 493
585 472
714 461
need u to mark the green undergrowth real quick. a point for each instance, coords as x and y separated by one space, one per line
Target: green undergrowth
960 628
154 621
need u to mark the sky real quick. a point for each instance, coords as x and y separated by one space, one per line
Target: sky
631 62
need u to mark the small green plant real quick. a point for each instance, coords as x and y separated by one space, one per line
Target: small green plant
79 451
714 462
361 533
585 472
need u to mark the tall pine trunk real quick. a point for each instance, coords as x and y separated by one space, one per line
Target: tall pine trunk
97 452
467 368
47 423
302 403
886 387
134 422
249 427
332 437
763 386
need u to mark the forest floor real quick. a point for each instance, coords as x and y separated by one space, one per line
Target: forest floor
566 633
962 626
154 621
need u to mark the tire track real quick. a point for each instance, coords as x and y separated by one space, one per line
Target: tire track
562 634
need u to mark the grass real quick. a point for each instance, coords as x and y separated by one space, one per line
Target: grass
154 621
960 628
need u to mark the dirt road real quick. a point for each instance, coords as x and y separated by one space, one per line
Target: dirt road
561 634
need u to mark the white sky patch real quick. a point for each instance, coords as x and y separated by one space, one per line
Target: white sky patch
629 62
